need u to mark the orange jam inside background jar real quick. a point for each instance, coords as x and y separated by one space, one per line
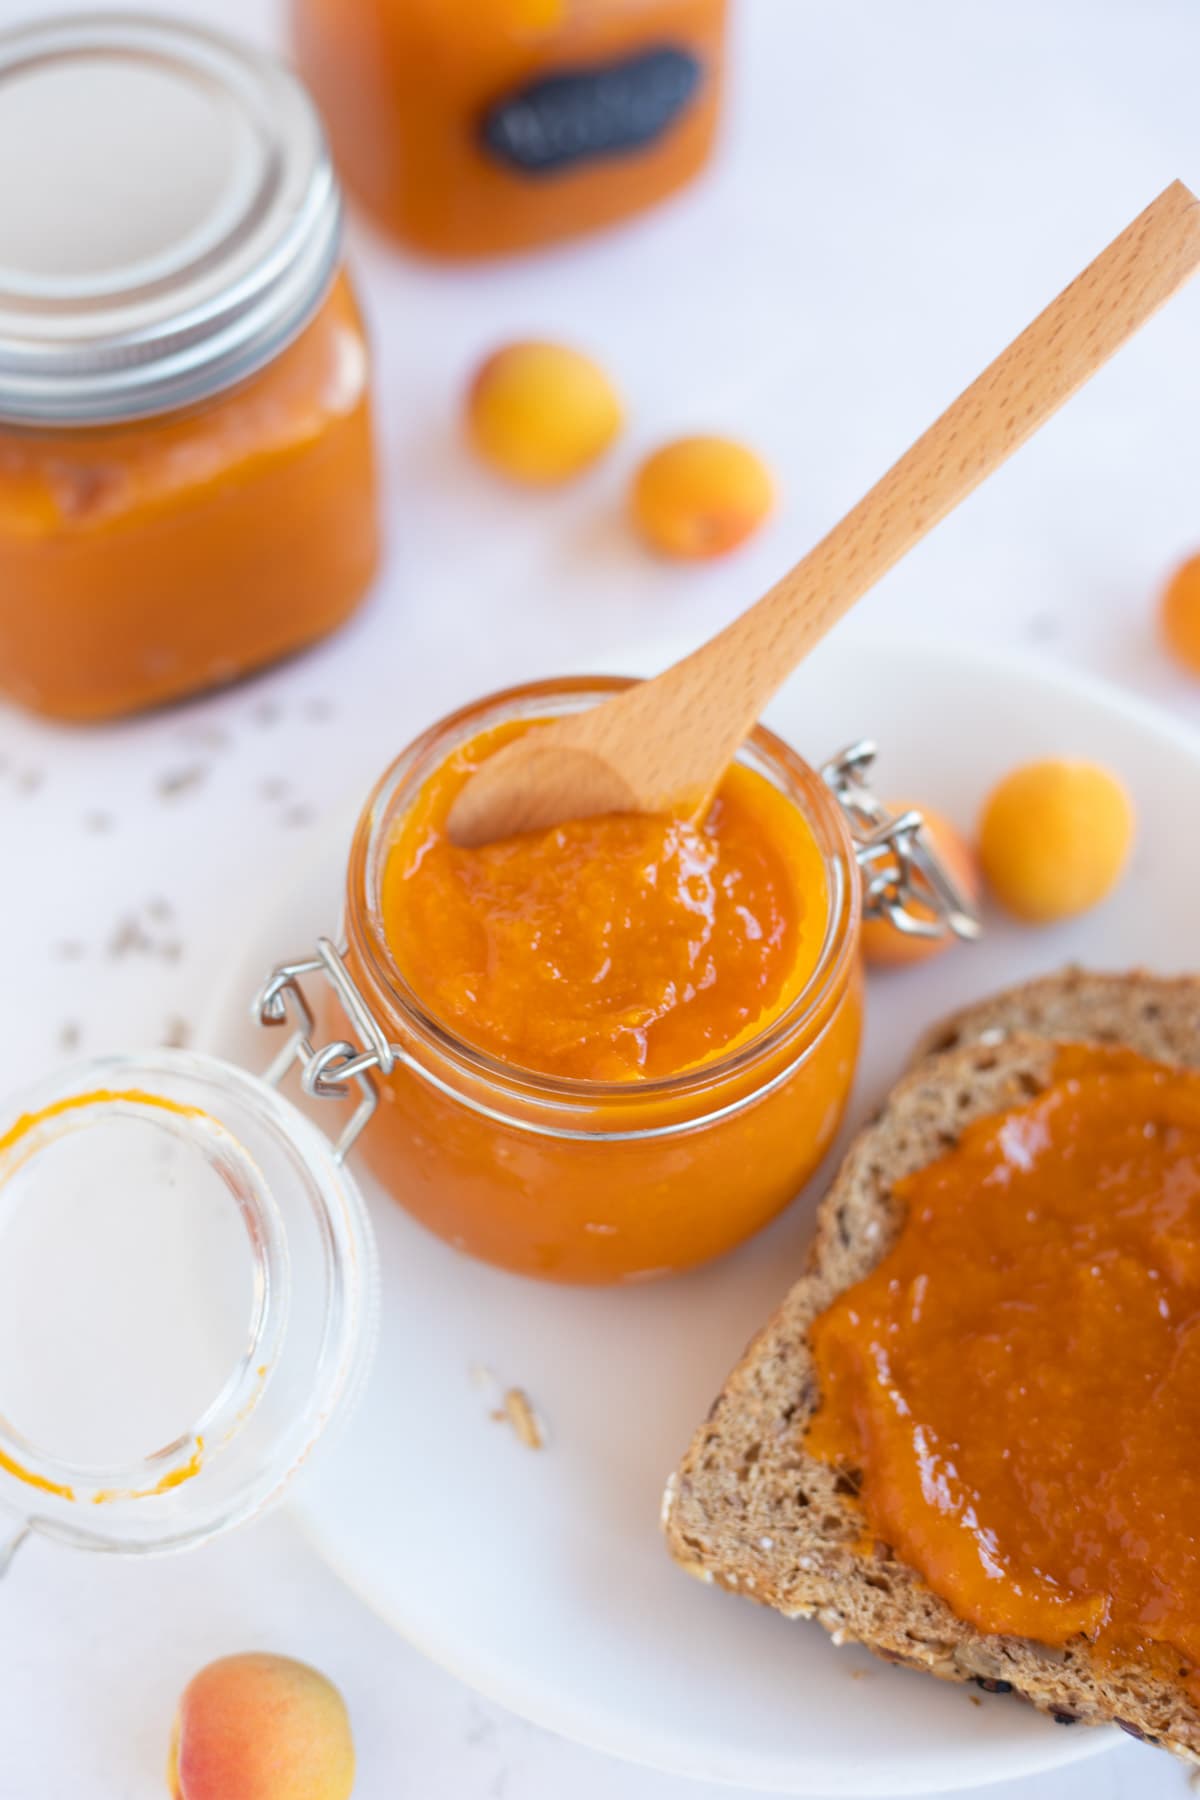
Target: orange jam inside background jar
187 481
472 127
627 1042
1017 1382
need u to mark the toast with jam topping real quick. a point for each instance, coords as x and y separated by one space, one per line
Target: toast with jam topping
752 1510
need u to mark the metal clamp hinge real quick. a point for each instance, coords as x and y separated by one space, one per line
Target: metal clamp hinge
330 1072
904 879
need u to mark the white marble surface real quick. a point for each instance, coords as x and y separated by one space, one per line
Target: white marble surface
899 189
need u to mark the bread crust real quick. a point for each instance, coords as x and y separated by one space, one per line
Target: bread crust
1156 1015
750 1510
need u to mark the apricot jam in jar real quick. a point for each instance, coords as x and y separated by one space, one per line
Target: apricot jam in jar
187 481
612 1051
474 127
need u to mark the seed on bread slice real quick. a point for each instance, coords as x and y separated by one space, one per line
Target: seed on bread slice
752 1511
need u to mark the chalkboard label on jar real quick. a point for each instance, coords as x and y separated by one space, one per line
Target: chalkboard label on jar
578 115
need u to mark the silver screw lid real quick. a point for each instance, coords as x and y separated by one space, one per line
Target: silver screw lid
170 219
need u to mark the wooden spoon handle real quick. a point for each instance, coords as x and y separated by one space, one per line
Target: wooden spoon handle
1029 381
662 746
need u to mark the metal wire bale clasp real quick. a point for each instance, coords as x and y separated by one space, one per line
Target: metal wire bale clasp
904 879
327 1073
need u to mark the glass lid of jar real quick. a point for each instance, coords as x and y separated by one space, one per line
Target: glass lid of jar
175 224
188 1298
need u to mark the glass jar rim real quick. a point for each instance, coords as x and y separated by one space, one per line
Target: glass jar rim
763 750
306 1245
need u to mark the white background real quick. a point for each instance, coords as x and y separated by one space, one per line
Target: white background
899 188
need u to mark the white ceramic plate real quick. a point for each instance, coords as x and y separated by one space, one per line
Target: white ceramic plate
541 1578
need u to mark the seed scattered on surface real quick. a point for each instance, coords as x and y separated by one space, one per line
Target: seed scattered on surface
181 781
132 937
129 938
518 1412
209 737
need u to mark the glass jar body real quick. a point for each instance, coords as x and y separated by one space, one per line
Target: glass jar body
600 1208
149 559
602 1182
484 126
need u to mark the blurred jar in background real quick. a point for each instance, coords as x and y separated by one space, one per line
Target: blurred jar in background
187 479
474 127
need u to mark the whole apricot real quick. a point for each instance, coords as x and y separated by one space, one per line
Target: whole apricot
260 1727
886 947
700 496
542 413
1179 614
1054 838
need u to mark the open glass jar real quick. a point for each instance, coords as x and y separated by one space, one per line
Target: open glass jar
473 127
584 1181
187 479
188 1291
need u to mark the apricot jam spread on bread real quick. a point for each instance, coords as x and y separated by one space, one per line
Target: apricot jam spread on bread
1018 1380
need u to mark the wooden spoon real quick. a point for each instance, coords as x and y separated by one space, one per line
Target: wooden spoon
663 745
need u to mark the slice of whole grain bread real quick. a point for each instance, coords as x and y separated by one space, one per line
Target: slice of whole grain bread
750 1510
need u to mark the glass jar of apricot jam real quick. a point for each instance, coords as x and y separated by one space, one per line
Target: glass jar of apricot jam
611 1051
598 1054
473 127
187 481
